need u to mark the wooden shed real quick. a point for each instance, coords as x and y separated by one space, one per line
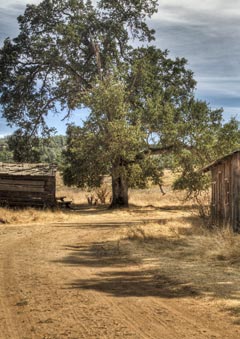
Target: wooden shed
27 184
225 202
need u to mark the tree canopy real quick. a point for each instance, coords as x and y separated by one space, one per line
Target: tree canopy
61 48
71 54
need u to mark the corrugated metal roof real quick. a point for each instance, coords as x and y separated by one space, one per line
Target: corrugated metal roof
27 169
218 161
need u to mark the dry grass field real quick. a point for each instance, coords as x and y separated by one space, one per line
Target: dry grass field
154 270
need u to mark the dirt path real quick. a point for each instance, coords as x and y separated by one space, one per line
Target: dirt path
76 281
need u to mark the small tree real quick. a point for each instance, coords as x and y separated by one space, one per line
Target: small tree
24 149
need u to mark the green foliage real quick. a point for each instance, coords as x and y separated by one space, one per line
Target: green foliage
51 149
61 47
106 141
5 154
193 182
24 149
20 148
208 139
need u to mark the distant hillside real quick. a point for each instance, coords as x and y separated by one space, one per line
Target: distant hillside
50 149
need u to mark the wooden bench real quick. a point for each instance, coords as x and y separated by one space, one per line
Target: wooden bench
63 203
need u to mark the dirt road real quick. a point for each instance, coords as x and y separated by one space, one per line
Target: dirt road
76 280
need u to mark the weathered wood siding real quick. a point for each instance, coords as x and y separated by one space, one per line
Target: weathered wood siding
27 190
226 192
235 215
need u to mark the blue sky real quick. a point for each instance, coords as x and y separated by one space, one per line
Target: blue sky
206 33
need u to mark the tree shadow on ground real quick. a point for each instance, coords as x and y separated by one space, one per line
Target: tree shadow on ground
136 284
86 209
101 254
175 271
113 224
131 279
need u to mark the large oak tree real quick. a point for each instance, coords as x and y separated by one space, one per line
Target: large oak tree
71 54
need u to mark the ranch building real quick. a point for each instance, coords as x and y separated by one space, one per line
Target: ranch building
24 184
225 202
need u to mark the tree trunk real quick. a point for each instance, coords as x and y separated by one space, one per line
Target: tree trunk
119 189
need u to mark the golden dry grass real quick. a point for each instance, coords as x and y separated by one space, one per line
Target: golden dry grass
30 215
154 197
181 251
179 221
224 245
211 245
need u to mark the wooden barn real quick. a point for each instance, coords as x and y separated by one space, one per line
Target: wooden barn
27 185
226 190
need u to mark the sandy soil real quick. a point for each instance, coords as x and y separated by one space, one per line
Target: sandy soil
81 280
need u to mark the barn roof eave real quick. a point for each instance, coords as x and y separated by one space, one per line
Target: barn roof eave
218 161
27 169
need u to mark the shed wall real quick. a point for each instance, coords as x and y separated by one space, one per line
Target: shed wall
226 192
235 217
19 190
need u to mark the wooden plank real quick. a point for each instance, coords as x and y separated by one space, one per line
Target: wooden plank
26 177
23 195
19 188
8 195
237 184
234 192
22 182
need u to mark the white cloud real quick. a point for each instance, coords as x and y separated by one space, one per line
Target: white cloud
9 11
177 10
220 87
206 33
